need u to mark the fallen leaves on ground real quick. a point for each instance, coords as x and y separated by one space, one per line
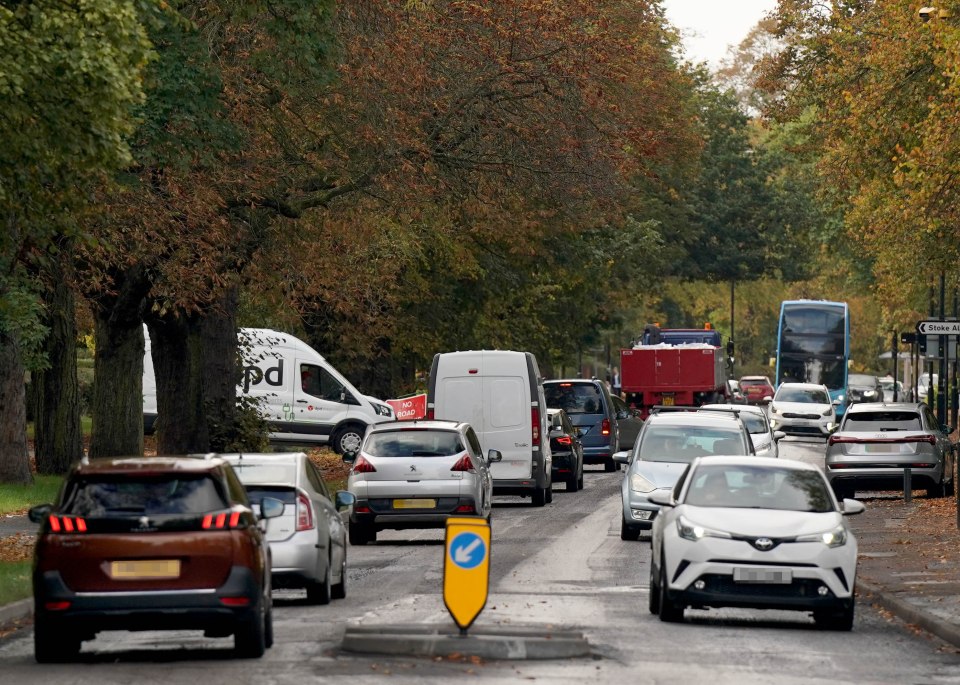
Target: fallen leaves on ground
17 547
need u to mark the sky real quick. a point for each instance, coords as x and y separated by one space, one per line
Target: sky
709 27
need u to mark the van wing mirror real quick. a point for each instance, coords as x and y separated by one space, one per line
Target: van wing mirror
493 456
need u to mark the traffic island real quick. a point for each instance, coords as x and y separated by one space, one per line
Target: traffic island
489 643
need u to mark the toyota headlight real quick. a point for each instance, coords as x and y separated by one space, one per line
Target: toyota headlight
693 531
831 538
640 484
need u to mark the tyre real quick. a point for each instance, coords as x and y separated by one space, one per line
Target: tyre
949 489
539 497
347 439
573 484
670 611
653 598
628 533
610 465
937 491
268 628
320 591
360 534
843 492
52 645
250 637
549 491
580 478
835 620
339 590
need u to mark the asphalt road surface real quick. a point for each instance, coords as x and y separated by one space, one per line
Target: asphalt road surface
563 565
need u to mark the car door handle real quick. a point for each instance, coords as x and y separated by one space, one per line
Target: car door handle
301 401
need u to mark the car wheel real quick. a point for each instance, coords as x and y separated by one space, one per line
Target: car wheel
319 591
610 465
573 484
539 497
268 628
580 478
339 591
250 637
628 533
835 620
549 491
361 534
653 597
347 439
843 492
949 489
670 611
52 645
937 491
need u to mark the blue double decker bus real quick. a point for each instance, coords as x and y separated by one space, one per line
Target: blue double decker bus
813 345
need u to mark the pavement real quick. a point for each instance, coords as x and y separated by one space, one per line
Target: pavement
909 566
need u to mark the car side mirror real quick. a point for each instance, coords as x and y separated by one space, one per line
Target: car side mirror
38 513
946 428
270 507
494 456
852 507
349 457
779 435
836 402
344 499
622 457
662 497
623 414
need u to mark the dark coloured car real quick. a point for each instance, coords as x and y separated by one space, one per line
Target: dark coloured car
862 387
566 450
628 421
755 389
151 544
590 408
877 441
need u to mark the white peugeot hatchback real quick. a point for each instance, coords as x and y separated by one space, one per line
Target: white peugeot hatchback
416 474
756 533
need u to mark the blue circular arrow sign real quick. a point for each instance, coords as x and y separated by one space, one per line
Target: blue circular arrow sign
467 550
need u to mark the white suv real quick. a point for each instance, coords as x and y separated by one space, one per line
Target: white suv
803 409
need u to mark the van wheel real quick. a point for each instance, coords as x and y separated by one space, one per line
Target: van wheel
550 493
360 534
610 465
539 497
51 645
348 439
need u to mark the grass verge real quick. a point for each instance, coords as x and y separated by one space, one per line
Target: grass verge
14 581
19 498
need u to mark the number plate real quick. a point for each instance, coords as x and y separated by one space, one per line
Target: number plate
668 401
414 504
880 448
136 570
773 576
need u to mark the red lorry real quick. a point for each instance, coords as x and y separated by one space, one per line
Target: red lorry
681 366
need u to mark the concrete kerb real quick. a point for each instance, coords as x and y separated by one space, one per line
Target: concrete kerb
909 613
16 611
521 642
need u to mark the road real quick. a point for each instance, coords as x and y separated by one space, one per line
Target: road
560 566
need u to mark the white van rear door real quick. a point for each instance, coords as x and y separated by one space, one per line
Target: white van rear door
507 426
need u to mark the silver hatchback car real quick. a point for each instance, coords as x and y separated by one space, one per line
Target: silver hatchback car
308 541
876 442
416 474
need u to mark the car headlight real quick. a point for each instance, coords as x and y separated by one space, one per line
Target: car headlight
692 531
381 409
640 484
841 398
869 393
831 538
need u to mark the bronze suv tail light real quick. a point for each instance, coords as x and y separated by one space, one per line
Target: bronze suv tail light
67 524
223 520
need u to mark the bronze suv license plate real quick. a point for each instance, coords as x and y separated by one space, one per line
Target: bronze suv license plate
147 568
414 504
771 576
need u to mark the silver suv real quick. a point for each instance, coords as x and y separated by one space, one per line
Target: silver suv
876 442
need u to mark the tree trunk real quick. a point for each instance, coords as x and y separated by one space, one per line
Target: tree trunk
14 457
55 391
118 386
195 362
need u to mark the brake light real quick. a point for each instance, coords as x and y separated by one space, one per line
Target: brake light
463 464
921 466
361 465
304 513
221 521
605 427
565 440
361 509
834 440
466 509
235 601
430 414
921 438
67 524
57 606
535 425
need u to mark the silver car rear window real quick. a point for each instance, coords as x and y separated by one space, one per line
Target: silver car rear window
252 473
883 421
684 444
414 443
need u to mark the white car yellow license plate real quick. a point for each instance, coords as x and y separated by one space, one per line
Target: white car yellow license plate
771 576
147 568
414 504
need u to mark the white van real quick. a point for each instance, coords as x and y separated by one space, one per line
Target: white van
305 399
500 394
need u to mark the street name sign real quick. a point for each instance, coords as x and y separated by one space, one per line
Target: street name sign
466 569
938 327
